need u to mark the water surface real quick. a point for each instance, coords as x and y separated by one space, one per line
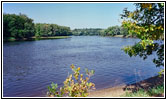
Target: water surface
30 66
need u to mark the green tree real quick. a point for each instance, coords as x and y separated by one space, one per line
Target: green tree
87 31
48 30
17 26
147 23
123 31
114 30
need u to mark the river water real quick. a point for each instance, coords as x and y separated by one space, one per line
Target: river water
30 66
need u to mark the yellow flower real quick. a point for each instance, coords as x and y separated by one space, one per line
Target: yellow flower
78 68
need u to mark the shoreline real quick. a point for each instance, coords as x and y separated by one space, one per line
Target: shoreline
12 39
122 36
36 38
119 91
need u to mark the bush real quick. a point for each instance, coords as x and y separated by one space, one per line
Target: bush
74 85
155 91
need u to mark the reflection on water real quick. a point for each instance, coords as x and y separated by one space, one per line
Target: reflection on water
30 66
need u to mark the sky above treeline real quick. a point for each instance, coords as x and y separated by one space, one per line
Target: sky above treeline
73 15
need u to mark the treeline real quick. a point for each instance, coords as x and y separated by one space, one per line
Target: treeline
110 31
46 30
114 30
20 27
87 31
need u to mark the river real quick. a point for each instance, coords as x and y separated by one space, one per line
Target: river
30 66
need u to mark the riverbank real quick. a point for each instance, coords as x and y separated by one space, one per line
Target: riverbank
10 39
52 37
120 91
122 36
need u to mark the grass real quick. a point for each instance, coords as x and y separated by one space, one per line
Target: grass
156 91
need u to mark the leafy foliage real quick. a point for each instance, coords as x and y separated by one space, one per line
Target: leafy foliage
156 90
17 26
73 88
46 30
20 26
115 30
147 23
139 93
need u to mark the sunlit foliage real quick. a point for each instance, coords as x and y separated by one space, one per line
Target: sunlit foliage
147 23
48 30
74 86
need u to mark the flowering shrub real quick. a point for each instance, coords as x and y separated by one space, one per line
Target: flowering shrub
74 85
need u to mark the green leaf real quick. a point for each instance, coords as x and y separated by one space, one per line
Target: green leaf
92 71
49 89
54 86
69 88
162 4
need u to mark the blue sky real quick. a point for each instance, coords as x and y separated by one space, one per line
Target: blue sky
74 15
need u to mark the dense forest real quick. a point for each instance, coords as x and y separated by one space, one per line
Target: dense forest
21 27
46 30
114 30
17 26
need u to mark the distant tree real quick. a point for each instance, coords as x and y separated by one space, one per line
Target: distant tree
123 31
147 23
46 30
114 30
86 31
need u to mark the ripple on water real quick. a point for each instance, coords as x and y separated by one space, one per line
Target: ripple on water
30 66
